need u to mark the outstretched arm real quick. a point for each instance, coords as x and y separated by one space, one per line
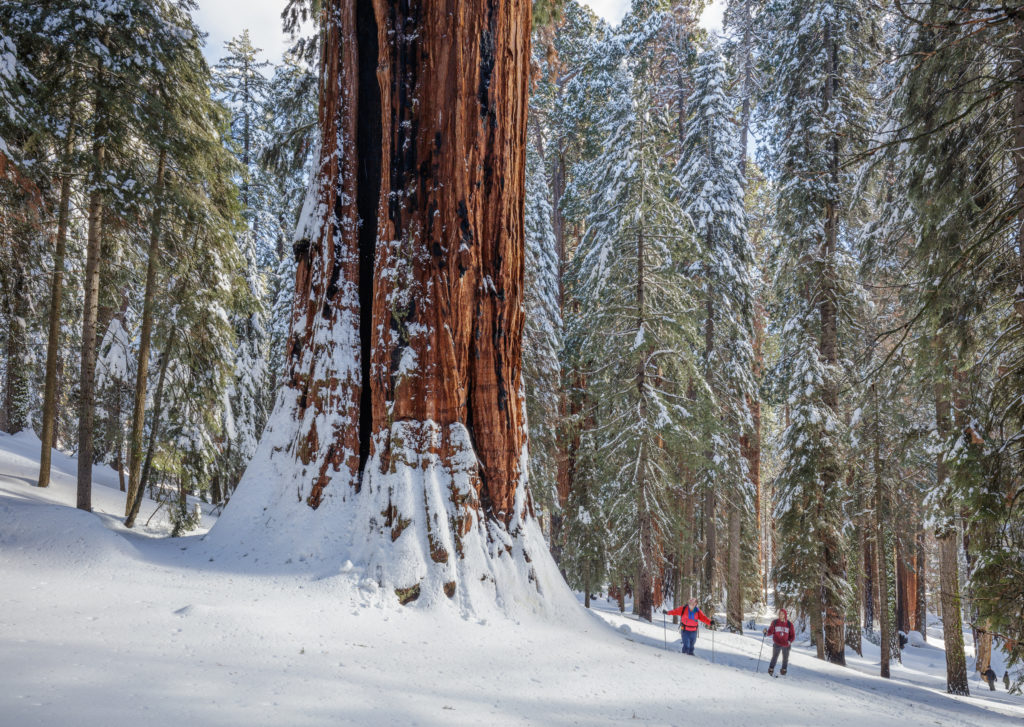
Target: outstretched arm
675 612
702 617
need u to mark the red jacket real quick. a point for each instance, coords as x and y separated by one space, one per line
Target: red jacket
687 618
783 633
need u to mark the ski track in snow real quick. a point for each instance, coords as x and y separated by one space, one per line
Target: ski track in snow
104 626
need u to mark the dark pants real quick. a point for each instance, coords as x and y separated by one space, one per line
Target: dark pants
689 639
775 656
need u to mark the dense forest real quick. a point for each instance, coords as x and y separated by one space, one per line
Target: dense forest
738 316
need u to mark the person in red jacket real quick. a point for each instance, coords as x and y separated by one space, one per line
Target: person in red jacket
783 635
689 615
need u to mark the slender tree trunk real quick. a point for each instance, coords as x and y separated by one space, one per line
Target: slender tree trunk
921 566
643 595
154 431
869 583
946 534
145 336
90 312
984 657
881 560
708 593
902 588
735 611
53 338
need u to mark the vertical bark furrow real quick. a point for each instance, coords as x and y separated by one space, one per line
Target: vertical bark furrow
368 143
418 255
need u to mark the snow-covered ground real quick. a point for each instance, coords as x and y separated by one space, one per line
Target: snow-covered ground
104 626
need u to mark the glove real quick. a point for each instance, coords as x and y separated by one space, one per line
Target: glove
714 625
764 631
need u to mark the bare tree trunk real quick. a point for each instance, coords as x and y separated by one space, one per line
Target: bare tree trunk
145 336
869 583
984 657
708 592
53 338
643 594
881 559
735 610
946 534
903 588
154 431
921 567
94 237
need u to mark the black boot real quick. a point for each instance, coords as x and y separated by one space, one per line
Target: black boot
783 672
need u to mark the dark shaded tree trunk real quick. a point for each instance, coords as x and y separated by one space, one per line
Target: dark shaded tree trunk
710 561
946 534
921 567
881 551
145 336
154 433
90 312
734 617
48 435
869 585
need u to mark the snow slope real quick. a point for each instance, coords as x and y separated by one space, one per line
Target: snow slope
102 626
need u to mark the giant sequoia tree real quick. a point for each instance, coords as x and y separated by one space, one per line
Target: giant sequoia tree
400 426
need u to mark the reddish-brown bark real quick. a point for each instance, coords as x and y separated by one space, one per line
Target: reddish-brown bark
419 255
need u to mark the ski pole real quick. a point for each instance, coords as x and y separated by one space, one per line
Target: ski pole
758 667
713 645
664 627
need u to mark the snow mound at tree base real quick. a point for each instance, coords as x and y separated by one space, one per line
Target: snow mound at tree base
413 534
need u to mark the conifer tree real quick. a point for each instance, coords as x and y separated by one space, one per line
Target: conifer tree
542 331
711 194
629 328
815 108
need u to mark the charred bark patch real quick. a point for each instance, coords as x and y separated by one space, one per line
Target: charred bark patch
368 142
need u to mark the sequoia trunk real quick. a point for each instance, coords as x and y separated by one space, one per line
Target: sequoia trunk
403 392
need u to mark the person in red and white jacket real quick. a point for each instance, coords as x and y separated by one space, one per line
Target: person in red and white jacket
689 615
783 635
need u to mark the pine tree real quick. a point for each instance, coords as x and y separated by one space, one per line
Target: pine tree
542 331
185 127
961 104
711 194
629 329
815 108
